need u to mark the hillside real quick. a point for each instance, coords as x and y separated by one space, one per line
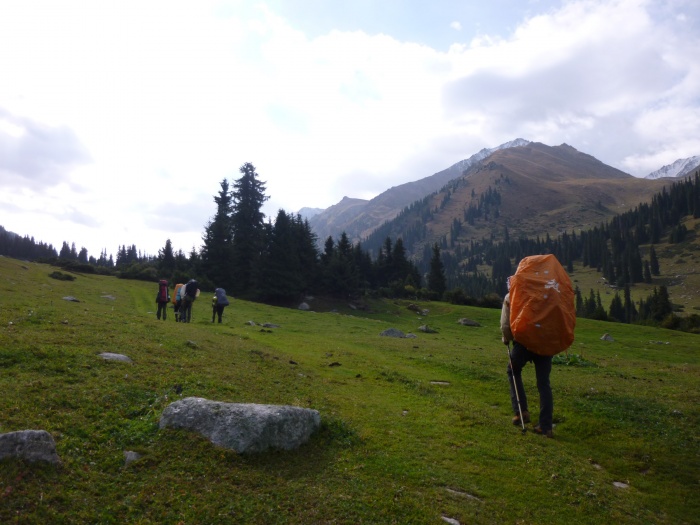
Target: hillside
358 219
413 430
532 191
543 189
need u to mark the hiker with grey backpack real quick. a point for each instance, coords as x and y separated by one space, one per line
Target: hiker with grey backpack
538 317
189 295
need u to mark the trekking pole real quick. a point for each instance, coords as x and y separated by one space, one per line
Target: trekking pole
515 387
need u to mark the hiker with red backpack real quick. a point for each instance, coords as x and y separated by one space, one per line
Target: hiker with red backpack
539 317
162 299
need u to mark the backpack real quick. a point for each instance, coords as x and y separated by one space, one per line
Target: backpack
220 297
191 289
542 310
163 296
176 295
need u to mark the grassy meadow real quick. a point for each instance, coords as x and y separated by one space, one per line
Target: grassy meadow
413 430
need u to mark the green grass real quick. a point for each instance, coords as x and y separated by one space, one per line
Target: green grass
412 429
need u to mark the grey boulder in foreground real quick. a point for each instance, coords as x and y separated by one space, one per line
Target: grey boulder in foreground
243 427
29 445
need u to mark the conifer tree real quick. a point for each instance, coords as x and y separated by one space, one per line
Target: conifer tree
617 310
653 261
166 260
437 282
247 222
218 241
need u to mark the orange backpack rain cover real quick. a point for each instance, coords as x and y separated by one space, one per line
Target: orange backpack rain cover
542 310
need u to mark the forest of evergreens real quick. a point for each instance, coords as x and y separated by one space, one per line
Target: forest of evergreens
278 261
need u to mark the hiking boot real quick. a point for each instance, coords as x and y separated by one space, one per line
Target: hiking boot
526 418
545 433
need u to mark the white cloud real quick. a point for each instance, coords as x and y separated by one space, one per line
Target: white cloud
134 112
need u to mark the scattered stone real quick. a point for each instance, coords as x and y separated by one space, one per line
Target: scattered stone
660 342
439 382
291 362
192 344
468 322
392 332
71 298
411 336
251 323
449 520
335 363
29 445
463 494
130 456
243 427
110 297
620 485
607 337
109 356
270 325
304 306
425 328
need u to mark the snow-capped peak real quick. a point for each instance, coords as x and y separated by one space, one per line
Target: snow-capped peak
680 168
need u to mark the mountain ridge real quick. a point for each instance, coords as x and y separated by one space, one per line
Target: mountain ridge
532 190
677 169
358 220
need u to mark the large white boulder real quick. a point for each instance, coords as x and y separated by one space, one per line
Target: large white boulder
243 427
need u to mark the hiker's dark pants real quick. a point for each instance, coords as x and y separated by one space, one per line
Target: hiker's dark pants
520 356
177 310
162 307
186 310
217 309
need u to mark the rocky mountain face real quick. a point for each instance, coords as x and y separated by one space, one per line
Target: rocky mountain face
307 213
359 218
680 168
520 189
533 190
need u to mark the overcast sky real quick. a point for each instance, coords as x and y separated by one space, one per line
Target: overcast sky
119 119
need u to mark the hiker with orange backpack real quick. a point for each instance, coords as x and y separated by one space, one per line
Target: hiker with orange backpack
177 300
539 317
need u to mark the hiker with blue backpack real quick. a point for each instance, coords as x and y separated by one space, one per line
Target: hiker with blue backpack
218 303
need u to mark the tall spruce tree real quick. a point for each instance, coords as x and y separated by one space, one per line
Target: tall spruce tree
166 260
217 250
247 222
436 278
281 269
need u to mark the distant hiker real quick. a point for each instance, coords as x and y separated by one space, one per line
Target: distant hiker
538 311
162 298
177 300
190 294
218 303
